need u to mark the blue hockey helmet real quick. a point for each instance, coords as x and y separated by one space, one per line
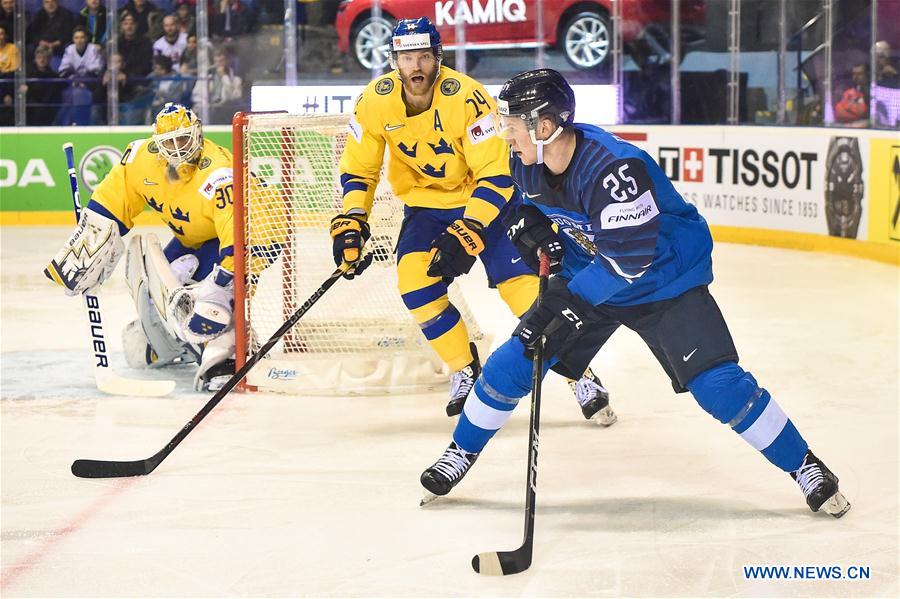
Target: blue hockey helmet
415 34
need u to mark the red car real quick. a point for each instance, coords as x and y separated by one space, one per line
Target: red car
580 28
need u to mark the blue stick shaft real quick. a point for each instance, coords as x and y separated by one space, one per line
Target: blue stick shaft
69 150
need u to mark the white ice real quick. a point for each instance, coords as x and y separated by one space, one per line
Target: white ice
293 496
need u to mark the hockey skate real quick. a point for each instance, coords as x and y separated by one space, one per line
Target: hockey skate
820 486
216 377
593 398
446 473
461 383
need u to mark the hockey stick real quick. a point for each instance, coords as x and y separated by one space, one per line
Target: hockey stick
107 380
501 563
113 469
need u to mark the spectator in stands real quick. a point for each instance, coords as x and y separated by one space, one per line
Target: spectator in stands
168 85
131 109
82 64
93 18
188 63
185 13
82 60
42 97
51 27
230 19
886 73
853 107
225 90
147 17
8 17
172 43
9 62
885 103
136 51
9 54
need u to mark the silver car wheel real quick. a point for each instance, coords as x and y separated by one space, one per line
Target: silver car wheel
372 43
586 41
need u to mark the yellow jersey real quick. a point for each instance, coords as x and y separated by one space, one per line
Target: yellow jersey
446 157
196 209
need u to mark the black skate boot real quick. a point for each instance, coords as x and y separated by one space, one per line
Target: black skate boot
593 398
446 473
820 486
461 383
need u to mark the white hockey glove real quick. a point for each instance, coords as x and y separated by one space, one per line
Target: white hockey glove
201 312
89 256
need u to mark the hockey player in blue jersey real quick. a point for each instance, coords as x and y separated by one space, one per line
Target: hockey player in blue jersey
628 250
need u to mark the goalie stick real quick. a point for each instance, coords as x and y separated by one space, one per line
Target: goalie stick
107 380
114 469
502 563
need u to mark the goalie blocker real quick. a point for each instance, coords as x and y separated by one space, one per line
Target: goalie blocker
89 256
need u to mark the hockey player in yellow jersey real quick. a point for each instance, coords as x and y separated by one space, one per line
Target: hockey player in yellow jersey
449 168
183 292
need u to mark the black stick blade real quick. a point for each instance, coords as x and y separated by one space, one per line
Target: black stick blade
104 469
502 563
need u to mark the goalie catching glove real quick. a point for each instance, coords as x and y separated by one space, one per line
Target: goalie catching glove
531 231
89 256
453 252
202 312
349 234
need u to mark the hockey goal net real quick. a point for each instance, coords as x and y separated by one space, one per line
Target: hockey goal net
359 337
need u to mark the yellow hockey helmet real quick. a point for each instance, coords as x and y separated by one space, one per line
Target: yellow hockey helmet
178 134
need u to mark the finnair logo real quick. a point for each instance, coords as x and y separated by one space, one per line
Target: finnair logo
630 214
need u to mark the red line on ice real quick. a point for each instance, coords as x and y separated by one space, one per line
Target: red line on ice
35 557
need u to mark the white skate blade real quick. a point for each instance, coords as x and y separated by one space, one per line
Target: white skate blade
837 505
427 498
605 417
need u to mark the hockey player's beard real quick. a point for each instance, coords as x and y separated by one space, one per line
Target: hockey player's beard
182 172
428 81
172 173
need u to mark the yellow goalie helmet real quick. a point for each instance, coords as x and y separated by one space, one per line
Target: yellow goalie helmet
178 135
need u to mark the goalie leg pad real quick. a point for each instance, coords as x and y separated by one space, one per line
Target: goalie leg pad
152 344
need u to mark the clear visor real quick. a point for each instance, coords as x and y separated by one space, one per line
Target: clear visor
508 127
179 146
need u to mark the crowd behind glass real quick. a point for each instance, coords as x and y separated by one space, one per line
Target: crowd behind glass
730 61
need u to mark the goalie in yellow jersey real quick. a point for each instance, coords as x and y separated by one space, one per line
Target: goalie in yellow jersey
184 292
452 172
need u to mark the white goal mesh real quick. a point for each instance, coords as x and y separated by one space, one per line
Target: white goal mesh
359 337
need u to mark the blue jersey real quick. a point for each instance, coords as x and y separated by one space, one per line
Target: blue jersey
630 238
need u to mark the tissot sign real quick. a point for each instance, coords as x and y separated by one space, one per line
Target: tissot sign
783 179
734 166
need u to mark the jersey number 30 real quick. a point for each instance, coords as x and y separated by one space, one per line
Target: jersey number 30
223 196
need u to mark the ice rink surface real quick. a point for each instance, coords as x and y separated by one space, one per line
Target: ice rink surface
291 496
